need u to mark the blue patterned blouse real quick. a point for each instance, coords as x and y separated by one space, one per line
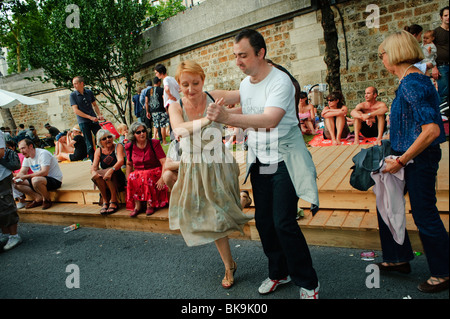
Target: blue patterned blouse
416 103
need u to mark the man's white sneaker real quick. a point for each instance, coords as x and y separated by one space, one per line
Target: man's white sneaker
12 242
270 285
310 294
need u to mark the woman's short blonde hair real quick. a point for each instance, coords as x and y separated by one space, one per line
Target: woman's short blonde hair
190 67
401 47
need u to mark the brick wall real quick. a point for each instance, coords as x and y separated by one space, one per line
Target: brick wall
364 68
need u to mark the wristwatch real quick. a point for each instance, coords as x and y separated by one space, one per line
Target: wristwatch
113 168
369 114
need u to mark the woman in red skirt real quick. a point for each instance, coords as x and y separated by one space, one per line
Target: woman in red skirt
145 162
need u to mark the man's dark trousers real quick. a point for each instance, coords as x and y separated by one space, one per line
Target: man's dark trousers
89 129
275 216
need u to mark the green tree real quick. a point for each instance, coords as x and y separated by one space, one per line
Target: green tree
15 16
98 39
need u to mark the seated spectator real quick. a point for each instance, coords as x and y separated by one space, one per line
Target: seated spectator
50 137
106 170
46 175
145 163
21 133
74 143
20 197
7 134
307 115
62 144
33 136
246 200
370 117
335 116
170 174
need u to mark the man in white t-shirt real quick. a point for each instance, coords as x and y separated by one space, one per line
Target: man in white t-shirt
281 168
46 175
171 90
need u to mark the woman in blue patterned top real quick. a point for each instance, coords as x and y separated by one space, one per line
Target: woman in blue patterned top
416 131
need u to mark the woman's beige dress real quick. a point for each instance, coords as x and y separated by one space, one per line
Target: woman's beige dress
205 200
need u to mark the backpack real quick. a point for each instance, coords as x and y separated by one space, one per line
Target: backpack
368 160
10 160
154 104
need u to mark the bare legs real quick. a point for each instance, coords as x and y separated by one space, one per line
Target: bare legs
335 128
223 246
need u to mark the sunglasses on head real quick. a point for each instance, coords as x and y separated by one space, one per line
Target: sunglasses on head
104 138
140 132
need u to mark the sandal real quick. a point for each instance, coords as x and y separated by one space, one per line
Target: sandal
135 212
112 210
227 283
433 285
104 209
150 211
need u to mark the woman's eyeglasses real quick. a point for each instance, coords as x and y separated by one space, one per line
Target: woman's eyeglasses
104 138
380 55
140 132
331 100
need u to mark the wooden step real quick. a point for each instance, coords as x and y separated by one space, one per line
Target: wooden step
88 216
338 228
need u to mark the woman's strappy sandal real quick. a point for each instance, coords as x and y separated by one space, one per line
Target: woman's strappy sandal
228 280
105 208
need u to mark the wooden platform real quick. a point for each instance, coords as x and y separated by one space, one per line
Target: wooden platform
347 217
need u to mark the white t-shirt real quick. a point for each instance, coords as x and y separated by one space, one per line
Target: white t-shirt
44 158
174 89
276 90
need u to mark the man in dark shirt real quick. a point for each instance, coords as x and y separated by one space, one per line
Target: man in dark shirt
83 103
440 71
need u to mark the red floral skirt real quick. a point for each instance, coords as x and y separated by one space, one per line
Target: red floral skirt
141 186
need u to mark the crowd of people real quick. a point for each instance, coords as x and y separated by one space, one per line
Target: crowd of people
204 199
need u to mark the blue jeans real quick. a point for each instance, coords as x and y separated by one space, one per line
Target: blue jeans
420 178
275 216
443 82
89 129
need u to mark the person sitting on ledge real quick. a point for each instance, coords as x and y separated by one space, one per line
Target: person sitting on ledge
106 170
46 175
71 147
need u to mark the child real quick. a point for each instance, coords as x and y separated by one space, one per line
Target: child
123 131
429 49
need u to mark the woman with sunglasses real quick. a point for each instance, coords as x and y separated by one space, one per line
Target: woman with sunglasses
106 170
416 132
335 115
145 163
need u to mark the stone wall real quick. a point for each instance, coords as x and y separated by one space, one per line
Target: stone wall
364 67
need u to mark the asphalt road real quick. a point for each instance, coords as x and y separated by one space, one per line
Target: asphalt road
91 263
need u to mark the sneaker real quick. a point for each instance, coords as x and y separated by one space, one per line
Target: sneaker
309 294
270 285
12 242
